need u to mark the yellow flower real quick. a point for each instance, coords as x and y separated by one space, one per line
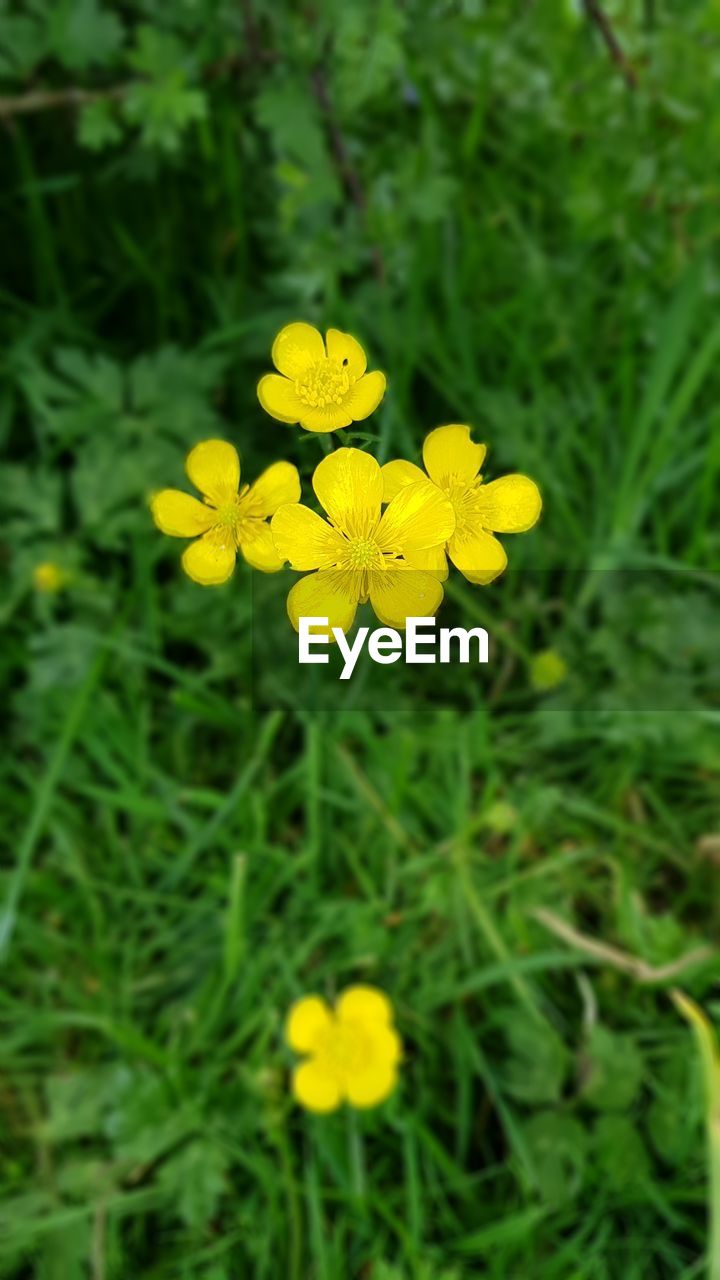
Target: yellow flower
509 505
548 669
359 553
352 1052
323 385
49 578
227 520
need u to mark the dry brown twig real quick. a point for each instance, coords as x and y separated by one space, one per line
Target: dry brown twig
599 18
617 959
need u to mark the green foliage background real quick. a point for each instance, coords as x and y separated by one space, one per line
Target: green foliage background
523 233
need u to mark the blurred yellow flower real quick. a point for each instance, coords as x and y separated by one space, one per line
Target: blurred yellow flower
229 519
547 669
359 552
353 1051
49 578
321 385
509 505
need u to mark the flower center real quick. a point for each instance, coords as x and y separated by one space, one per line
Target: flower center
231 521
362 553
323 383
344 1047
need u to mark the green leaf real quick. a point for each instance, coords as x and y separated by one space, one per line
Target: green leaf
98 125
614 1070
195 1180
557 1146
83 34
535 1071
620 1155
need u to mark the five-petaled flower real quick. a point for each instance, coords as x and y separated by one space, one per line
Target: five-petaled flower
352 1051
321 385
229 518
361 553
509 505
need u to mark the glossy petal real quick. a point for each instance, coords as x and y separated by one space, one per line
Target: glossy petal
477 555
434 560
364 1004
372 1086
258 548
348 485
399 594
295 348
509 505
304 539
419 516
214 468
275 486
180 515
331 594
279 398
346 350
316 1088
365 395
307 1019
331 417
450 456
208 560
396 475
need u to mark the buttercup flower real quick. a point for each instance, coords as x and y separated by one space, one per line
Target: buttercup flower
509 505
321 385
229 518
359 553
49 578
548 669
352 1052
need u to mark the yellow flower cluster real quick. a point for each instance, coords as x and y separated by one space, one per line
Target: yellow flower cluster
388 531
385 537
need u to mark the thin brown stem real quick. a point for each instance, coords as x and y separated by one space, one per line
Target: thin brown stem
347 172
617 959
599 18
51 99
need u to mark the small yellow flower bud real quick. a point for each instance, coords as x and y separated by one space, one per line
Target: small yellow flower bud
49 578
547 670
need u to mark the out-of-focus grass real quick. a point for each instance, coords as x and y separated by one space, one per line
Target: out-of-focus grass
189 851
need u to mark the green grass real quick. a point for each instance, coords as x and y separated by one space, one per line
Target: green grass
195 836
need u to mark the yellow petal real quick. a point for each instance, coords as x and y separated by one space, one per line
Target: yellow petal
258 547
372 1086
295 348
509 505
214 468
316 1088
331 417
180 515
304 539
279 398
419 516
346 350
396 475
365 395
399 594
307 1019
331 594
364 1004
434 560
210 561
477 555
348 485
450 456
279 484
